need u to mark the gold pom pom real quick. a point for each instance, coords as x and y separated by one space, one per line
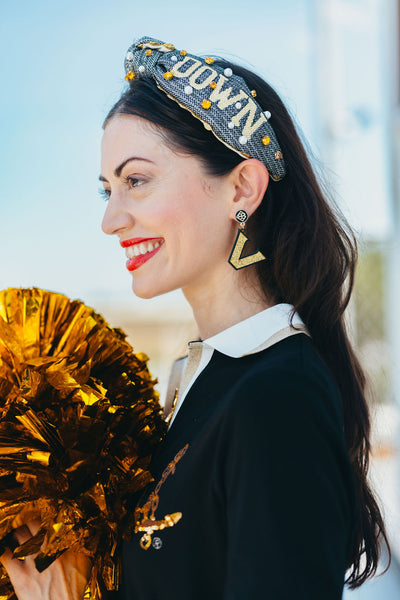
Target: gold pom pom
213 85
253 93
206 104
209 60
168 75
79 421
266 140
129 76
183 52
149 52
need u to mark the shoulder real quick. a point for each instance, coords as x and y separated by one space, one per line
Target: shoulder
283 422
282 394
288 384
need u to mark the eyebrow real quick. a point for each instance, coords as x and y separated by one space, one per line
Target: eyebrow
118 170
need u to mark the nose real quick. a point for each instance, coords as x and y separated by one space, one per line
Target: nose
116 219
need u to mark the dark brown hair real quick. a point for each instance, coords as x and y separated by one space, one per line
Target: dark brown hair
313 255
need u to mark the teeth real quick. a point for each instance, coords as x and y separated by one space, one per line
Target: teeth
139 249
130 252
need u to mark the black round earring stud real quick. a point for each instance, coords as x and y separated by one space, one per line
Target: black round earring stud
241 216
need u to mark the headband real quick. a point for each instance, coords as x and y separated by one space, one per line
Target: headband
220 99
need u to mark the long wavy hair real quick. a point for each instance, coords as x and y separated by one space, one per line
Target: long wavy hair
312 258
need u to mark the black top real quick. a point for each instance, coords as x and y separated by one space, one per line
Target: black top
261 476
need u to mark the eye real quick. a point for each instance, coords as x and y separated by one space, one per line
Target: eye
133 182
105 194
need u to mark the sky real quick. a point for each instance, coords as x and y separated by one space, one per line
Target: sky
61 69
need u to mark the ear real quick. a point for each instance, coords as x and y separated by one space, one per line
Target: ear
250 179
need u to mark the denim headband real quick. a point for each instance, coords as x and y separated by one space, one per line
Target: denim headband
220 99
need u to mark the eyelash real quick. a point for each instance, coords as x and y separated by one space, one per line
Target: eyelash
105 194
131 182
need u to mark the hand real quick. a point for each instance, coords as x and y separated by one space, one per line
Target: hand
64 579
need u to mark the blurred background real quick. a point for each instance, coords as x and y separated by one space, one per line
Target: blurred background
336 65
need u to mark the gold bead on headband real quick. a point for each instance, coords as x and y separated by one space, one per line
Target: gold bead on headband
214 94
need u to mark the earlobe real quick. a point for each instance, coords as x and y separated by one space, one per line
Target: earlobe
251 179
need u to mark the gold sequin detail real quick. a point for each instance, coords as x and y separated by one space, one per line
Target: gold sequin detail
145 519
168 75
209 60
266 140
206 104
213 85
253 93
149 52
237 260
129 76
278 155
183 52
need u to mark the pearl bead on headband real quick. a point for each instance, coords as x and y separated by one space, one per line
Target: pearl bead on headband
214 94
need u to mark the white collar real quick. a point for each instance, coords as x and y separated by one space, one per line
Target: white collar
247 336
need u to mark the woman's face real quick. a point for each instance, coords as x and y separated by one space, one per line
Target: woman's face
173 220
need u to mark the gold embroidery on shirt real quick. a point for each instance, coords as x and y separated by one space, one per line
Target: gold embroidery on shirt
145 519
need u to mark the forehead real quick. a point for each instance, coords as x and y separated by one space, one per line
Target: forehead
127 136
128 129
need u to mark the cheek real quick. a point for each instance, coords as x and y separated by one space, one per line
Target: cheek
205 236
169 222
188 218
177 215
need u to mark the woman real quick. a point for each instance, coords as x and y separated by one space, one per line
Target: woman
260 486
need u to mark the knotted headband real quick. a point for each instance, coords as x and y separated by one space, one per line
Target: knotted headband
220 99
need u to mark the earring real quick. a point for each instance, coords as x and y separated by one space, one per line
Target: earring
236 259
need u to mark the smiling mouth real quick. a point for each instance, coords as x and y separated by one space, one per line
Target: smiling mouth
140 250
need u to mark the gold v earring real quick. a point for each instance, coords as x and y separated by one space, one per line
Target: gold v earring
236 259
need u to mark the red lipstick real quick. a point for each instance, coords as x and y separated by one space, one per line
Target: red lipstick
135 262
133 241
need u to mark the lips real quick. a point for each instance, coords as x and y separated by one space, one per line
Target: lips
140 250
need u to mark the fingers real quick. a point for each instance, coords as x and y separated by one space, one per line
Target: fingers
20 572
22 534
34 526
19 536
13 566
11 541
67 576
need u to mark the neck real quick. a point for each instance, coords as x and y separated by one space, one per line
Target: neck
232 299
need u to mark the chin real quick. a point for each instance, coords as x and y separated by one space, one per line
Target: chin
148 292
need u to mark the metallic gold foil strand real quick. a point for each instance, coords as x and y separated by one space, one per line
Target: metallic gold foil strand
10 341
79 419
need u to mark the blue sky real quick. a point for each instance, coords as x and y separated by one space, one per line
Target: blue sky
61 69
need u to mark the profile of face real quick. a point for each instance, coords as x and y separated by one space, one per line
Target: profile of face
175 221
